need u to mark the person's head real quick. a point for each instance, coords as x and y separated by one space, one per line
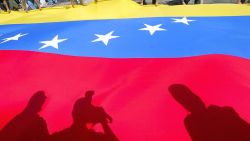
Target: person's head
183 95
89 93
36 102
88 96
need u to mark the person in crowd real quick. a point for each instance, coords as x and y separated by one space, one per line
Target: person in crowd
51 2
184 2
181 2
15 5
155 2
240 1
28 125
33 4
19 4
4 5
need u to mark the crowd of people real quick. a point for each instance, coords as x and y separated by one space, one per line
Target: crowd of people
17 5
185 2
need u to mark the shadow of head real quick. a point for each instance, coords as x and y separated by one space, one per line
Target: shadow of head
36 102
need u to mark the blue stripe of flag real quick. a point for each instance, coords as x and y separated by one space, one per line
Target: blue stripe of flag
205 35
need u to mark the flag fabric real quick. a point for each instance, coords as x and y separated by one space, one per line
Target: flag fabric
130 56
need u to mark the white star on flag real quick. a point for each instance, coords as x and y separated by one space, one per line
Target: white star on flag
153 29
105 38
183 20
13 38
53 43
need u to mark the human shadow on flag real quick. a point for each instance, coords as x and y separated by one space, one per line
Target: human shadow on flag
28 125
212 123
85 116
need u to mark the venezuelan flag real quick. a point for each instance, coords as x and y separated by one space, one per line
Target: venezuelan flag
136 59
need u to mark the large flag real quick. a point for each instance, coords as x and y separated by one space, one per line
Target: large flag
130 56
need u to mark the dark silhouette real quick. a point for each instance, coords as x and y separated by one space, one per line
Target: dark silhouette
85 113
28 125
83 108
212 123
